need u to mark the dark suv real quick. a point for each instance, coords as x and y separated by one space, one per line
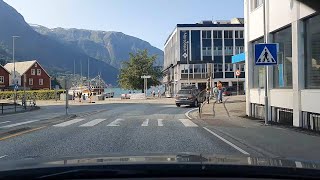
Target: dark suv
188 97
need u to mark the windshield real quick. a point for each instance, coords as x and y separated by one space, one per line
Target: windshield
123 78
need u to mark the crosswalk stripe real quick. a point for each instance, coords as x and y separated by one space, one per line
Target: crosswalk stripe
18 124
92 123
145 122
67 123
188 123
160 122
115 122
4 122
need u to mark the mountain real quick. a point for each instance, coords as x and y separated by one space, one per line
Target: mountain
109 46
55 56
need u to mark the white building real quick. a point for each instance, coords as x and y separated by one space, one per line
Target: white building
196 53
294 84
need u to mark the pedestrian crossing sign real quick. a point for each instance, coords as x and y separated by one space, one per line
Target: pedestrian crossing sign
266 54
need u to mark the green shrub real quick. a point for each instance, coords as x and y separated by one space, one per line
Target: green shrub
34 94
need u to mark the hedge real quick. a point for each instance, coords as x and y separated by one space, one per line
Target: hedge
34 94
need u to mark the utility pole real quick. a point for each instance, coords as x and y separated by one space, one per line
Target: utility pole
67 94
81 71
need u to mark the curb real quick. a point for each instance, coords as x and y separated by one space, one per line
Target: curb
187 113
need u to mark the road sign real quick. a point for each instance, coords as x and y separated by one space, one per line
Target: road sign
238 72
16 87
147 77
265 54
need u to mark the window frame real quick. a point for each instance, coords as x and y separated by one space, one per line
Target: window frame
1 79
39 72
30 80
33 72
41 80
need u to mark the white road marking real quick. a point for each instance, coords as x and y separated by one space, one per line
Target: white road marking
145 122
160 122
3 156
188 123
18 124
226 141
115 122
92 123
67 123
4 122
187 113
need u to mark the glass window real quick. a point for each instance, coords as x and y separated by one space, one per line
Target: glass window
239 34
1 79
217 51
217 67
206 34
217 34
228 50
197 68
206 51
40 82
38 72
33 72
312 53
282 72
30 81
258 71
228 35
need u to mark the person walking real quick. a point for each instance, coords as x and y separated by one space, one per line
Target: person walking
159 94
216 92
208 95
220 90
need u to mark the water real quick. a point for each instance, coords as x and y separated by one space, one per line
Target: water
119 91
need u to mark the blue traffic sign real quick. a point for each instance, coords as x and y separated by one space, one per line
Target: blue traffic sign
266 54
16 87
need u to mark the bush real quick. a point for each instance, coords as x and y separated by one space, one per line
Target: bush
34 94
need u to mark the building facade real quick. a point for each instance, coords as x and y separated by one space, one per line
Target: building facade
4 78
30 72
201 53
294 83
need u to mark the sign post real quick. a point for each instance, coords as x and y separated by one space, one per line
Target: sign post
145 84
238 74
67 98
266 55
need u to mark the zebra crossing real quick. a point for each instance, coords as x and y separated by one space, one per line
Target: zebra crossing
126 122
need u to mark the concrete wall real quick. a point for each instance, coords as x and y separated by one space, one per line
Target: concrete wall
310 100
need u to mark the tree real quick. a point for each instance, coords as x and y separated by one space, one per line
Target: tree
139 64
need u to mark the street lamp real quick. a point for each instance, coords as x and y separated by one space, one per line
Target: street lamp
14 68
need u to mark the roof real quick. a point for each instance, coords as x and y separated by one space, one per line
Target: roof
4 68
210 25
21 67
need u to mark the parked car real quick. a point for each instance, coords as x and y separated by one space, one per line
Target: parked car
229 91
188 96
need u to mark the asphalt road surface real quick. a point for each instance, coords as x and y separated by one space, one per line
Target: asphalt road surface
115 128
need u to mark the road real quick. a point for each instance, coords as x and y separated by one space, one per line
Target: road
112 128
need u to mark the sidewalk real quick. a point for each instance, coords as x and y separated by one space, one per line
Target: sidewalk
228 119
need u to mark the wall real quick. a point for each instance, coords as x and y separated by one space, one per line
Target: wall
310 100
281 98
4 73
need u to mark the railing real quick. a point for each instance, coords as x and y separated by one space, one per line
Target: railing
201 99
14 107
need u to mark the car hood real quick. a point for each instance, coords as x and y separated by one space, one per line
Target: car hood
181 158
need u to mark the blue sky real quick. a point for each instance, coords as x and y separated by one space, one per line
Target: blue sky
149 20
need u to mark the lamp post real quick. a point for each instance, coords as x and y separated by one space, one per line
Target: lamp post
14 68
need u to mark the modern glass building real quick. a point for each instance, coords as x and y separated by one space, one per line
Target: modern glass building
294 83
202 53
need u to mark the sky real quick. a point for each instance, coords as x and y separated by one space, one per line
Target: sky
150 20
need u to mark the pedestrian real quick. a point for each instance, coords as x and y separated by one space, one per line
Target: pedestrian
216 92
159 94
220 89
208 95
153 93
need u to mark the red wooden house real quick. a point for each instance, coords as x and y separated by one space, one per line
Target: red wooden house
4 78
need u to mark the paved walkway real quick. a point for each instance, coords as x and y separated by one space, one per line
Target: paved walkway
229 119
